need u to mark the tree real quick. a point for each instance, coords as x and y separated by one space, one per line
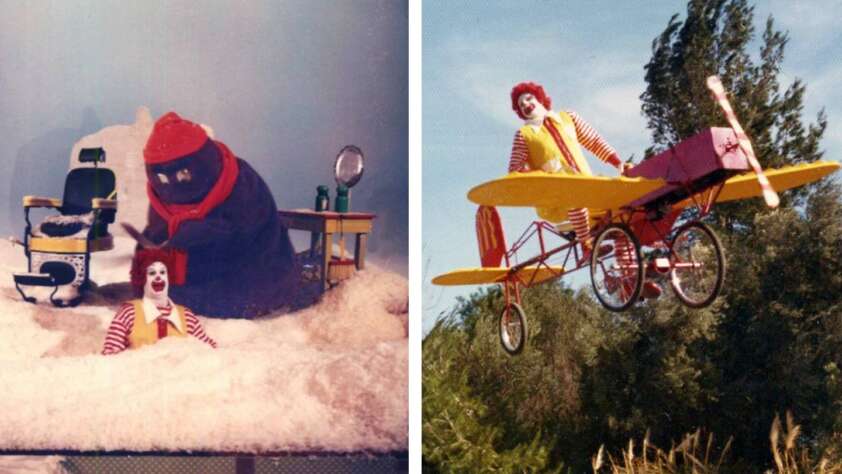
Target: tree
714 39
777 345
460 433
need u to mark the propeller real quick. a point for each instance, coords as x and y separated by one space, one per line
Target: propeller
769 194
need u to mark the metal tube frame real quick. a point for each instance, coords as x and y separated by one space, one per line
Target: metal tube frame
702 200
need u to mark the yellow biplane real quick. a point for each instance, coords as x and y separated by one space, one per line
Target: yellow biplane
658 204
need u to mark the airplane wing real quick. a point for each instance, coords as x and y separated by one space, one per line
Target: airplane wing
566 191
745 185
488 275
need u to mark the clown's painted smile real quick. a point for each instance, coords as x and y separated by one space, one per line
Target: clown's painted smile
530 107
157 281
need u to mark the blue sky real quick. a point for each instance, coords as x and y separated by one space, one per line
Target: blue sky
589 56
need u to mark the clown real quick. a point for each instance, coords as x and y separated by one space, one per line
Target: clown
154 316
551 141
215 208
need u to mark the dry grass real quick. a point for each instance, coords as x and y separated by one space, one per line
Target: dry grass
789 458
697 454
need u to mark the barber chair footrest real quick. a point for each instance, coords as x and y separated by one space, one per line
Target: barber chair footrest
34 279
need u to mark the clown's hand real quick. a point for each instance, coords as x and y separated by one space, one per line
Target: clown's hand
625 167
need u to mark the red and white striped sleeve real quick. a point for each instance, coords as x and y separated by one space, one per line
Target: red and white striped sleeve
519 161
594 143
195 329
117 337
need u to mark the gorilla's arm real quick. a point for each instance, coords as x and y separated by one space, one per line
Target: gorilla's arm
236 223
156 227
247 211
214 231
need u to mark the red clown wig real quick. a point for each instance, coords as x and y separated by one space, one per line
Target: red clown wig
174 260
531 88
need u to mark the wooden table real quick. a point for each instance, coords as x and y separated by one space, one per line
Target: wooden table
329 223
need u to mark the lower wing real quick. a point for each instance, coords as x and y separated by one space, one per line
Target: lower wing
482 276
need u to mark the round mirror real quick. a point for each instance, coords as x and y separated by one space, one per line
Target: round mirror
349 166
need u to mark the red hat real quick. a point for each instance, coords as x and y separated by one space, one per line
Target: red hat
171 138
532 88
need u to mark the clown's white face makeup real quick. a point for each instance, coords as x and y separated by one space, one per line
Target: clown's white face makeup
157 283
530 107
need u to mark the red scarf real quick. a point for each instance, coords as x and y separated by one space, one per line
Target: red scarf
175 214
560 143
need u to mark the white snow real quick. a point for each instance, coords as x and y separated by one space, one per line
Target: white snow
330 377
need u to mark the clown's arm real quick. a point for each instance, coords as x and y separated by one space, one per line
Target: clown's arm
117 337
519 159
195 329
594 143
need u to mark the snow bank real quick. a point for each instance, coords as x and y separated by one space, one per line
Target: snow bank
330 377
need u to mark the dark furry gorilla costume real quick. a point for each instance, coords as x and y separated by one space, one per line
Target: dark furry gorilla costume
212 205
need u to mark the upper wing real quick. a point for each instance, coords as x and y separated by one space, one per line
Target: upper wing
745 185
566 191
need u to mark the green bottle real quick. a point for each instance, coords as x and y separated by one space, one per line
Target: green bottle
341 198
322 198
322 204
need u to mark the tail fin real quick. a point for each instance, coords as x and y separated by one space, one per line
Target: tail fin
492 242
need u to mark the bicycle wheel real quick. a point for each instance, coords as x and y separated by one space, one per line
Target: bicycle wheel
617 276
697 265
513 330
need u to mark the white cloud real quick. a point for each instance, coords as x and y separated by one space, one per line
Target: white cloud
483 72
806 22
615 112
603 86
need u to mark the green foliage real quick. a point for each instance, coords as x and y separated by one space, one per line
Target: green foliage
587 378
779 344
458 436
775 342
587 375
